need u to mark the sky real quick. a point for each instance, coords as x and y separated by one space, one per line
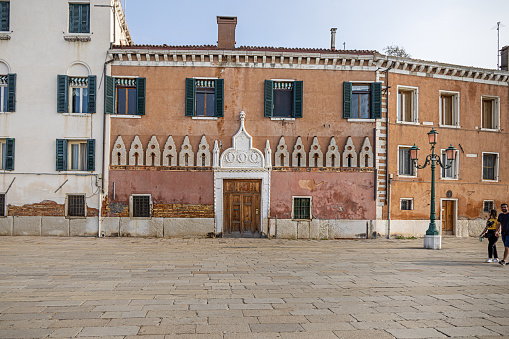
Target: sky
459 32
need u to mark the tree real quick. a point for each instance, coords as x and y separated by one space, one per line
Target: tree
396 51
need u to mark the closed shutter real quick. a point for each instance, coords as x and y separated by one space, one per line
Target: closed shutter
91 93
297 99
190 93
11 92
4 16
61 155
74 18
267 112
84 18
9 159
109 95
91 155
347 99
376 100
140 96
219 95
62 94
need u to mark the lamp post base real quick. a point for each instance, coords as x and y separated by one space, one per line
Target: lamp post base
433 242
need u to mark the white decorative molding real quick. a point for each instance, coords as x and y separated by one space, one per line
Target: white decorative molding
299 154
153 154
366 154
332 157
136 153
119 153
186 157
349 154
282 153
215 157
170 153
268 155
315 154
203 153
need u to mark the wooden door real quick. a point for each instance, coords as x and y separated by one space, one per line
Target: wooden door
241 204
447 217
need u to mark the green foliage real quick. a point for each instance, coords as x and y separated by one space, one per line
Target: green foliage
402 237
396 51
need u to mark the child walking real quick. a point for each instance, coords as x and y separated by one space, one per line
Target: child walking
489 230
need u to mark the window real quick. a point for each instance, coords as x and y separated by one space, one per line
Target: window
204 97
8 92
452 172
283 99
4 16
141 206
449 108
76 94
405 164
7 154
488 205
362 101
79 18
301 208
407 104
124 96
406 204
490 113
3 209
490 166
75 155
76 206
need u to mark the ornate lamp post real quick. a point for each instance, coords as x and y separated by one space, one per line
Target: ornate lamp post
433 239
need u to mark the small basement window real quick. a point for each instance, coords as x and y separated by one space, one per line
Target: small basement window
141 206
301 208
76 206
406 204
488 205
3 210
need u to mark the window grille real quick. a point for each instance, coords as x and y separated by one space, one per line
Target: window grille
488 206
76 206
141 206
406 204
302 208
2 205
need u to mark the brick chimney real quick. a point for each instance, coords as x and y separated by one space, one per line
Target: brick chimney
504 55
226 32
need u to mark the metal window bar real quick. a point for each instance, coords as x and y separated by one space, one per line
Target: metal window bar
76 206
301 208
141 206
406 205
488 206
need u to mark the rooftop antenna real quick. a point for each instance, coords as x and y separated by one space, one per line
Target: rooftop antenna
499 24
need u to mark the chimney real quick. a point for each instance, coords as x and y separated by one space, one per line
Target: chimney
226 32
504 55
333 38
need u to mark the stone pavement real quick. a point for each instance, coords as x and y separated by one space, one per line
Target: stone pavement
249 288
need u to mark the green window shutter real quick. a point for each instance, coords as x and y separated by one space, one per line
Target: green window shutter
91 155
9 159
140 96
11 92
4 16
376 100
190 93
91 93
347 99
74 18
267 112
297 99
84 18
219 98
61 155
63 94
109 95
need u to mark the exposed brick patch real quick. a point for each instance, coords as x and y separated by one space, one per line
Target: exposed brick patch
46 208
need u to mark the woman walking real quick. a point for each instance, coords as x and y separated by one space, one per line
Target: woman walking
489 232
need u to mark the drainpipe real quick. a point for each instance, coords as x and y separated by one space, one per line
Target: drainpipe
388 176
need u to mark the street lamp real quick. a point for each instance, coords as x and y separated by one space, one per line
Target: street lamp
432 239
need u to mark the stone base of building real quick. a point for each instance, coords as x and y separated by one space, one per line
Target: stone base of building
433 242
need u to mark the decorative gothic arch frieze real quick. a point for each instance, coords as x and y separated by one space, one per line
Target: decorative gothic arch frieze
119 153
136 153
299 154
366 154
282 154
203 153
332 157
153 154
186 157
315 154
170 153
349 154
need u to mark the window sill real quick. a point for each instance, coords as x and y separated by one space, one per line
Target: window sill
282 119
414 123
489 180
204 118
125 116
5 36
81 37
449 126
141 218
407 176
6 112
68 217
449 179
293 219
490 130
361 120
77 114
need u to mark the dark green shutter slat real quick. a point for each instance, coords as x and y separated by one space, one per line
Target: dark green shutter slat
219 95
91 155
109 95
62 94
376 100
61 155
91 93
84 18
4 16
267 112
140 96
74 18
297 99
11 92
9 159
190 93
347 99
